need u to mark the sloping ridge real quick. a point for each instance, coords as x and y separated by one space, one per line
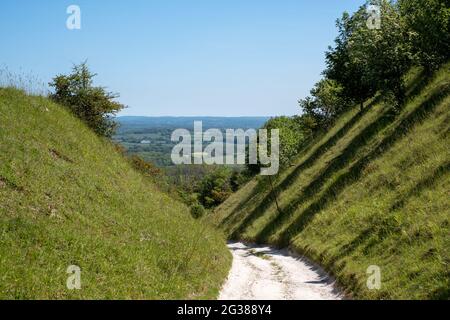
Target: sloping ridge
68 198
372 191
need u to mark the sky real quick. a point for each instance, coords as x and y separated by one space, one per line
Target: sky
180 57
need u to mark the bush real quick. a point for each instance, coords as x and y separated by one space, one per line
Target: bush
215 188
291 136
197 211
326 101
237 179
94 105
144 167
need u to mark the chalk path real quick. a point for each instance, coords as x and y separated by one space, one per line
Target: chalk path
265 273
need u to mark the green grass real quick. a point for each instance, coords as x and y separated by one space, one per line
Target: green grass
373 190
68 198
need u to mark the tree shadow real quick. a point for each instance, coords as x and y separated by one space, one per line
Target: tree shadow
338 163
267 201
383 120
329 143
356 170
232 216
427 182
257 212
419 83
443 292
378 233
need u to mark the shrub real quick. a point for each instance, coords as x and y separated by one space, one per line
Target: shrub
94 105
238 179
197 211
144 167
215 188
291 136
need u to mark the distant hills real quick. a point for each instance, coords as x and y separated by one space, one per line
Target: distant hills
149 137
133 123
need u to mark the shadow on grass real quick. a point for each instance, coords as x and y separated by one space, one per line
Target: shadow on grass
229 219
442 293
381 229
324 147
384 119
268 200
356 170
10 184
338 163
428 182
418 84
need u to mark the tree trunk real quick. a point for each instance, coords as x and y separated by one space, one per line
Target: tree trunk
400 94
274 195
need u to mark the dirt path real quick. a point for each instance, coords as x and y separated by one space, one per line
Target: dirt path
264 273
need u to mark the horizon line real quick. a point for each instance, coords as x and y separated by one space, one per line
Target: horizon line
199 116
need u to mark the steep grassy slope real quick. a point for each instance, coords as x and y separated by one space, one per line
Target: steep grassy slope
374 190
67 198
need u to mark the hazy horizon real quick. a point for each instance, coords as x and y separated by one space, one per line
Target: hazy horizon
195 116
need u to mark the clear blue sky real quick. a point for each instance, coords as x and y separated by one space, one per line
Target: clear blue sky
180 57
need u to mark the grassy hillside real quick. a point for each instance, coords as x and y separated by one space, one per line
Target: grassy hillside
373 190
67 198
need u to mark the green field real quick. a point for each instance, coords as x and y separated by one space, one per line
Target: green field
150 137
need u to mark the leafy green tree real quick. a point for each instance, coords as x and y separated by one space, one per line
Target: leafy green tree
291 136
308 124
386 50
325 103
94 105
294 132
215 188
389 51
375 58
428 21
346 64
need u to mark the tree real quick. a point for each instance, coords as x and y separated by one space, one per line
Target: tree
94 105
429 24
294 132
291 136
369 59
237 179
215 188
346 64
325 103
389 51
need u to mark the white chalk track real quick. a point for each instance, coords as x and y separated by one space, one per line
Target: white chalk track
264 273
